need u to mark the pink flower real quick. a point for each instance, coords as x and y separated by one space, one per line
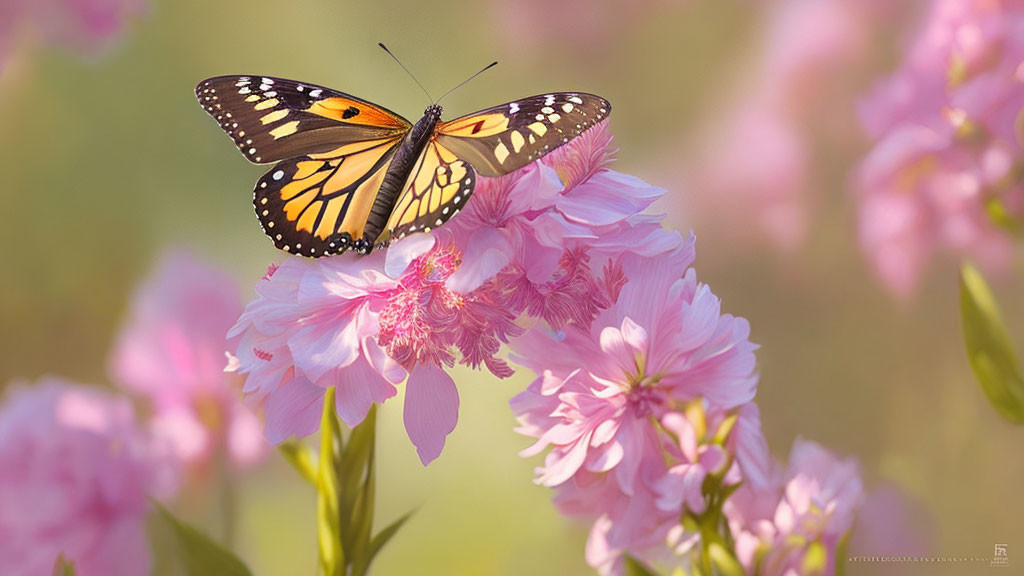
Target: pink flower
820 495
75 475
171 351
941 174
607 394
364 325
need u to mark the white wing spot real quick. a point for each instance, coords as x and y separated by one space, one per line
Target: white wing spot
513 108
279 174
575 100
315 93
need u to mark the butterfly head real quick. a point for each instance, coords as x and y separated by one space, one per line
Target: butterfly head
433 112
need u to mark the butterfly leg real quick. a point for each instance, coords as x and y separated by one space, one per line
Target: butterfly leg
339 243
362 246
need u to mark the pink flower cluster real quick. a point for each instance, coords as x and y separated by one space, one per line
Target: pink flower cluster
643 401
524 245
944 172
171 352
641 406
795 525
75 474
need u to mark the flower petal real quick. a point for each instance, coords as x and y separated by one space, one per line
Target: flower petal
431 410
293 409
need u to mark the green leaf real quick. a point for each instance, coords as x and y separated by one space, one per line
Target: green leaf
199 554
381 539
633 567
356 474
63 567
332 555
724 561
989 348
301 458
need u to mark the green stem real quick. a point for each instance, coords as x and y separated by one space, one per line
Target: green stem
332 556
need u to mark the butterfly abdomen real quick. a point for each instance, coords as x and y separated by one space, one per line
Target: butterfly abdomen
397 175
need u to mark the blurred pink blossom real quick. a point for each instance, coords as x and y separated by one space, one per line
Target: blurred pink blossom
172 351
75 475
77 24
86 23
891 523
809 512
944 171
753 162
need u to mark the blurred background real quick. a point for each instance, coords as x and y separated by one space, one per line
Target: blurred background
748 120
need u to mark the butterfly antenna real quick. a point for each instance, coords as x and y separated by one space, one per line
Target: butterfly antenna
466 81
381 44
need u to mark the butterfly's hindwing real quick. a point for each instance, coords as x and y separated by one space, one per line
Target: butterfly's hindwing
318 204
505 138
439 186
273 119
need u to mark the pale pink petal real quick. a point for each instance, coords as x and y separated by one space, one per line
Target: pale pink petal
431 410
358 388
294 409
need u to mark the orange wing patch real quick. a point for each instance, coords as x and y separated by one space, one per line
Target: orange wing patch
477 126
352 111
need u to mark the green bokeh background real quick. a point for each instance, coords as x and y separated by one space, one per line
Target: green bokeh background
108 160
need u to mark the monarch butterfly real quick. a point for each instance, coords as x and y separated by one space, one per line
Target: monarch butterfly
349 174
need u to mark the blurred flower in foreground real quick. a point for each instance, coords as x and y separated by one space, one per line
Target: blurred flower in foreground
172 352
75 474
945 171
797 527
76 24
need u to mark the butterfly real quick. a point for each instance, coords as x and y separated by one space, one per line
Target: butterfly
349 174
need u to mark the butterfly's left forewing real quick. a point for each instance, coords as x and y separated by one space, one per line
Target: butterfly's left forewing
505 138
436 190
273 119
